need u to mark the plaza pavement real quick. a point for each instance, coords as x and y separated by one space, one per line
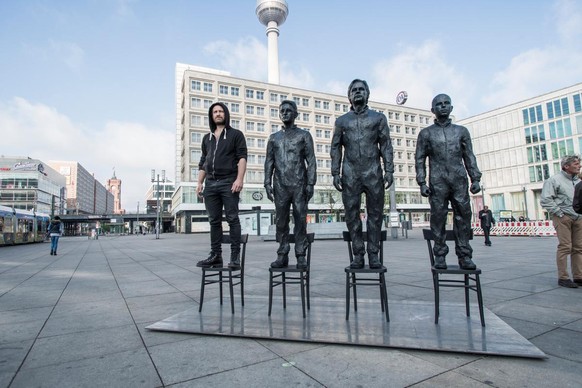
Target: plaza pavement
78 319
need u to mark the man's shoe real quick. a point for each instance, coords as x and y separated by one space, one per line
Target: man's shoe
567 283
578 281
374 261
466 263
301 262
281 262
234 260
440 262
214 260
358 262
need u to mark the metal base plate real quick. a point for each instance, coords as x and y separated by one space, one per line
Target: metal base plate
411 325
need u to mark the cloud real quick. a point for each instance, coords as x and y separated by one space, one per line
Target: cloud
542 69
423 72
41 132
68 53
247 58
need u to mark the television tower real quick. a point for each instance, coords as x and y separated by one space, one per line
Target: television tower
272 13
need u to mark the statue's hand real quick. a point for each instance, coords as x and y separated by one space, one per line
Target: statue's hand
388 180
475 187
309 192
269 190
424 190
337 182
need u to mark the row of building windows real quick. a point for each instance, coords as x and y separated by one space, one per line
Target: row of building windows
556 108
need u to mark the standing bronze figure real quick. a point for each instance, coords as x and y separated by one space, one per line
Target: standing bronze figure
290 165
361 139
449 150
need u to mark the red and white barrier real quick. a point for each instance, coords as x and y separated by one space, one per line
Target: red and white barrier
523 228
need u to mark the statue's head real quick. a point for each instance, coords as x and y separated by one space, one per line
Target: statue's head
358 92
442 105
288 111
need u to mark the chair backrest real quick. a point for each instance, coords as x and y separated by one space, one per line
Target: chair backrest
244 238
383 237
429 237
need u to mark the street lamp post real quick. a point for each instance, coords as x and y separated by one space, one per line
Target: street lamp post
138 228
156 178
525 201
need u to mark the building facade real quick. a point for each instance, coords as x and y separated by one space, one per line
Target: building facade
166 189
85 194
30 184
520 145
254 109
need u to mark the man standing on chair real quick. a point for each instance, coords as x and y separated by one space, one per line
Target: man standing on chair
486 218
450 152
290 175
223 164
361 139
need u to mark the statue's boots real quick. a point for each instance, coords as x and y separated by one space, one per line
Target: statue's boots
234 260
301 262
358 262
374 261
466 263
440 262
281 262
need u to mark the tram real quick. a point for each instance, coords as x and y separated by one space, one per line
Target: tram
19 226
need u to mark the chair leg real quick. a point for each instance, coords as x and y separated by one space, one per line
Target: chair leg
302 284
242 289
355 292
284 290
348 296
467 307
220 286
270 292
202 291
307 286
231 288
384 296
480 300
435 281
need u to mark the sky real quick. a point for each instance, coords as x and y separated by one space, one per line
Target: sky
93 80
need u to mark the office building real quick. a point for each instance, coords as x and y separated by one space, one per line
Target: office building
520 145
254 109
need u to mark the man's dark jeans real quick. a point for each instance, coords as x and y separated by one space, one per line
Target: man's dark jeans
218 196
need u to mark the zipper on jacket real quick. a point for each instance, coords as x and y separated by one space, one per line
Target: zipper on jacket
214 155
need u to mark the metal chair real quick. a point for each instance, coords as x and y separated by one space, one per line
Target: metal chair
470 280
232 276
292 275
361 277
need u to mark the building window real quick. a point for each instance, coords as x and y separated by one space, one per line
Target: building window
207 103
223 89
250 109
327 134
235 124
274 97
195 156
317 104
251 142
261 127
234 107
326 119
318 133
250 93
337 107
297 100
305 116
326 105
305 101
274 128
577 105
195 137
250 126
319 148
195 120
195 102
208 87
234 91
195 85
261 143
260 95
260 111
318 118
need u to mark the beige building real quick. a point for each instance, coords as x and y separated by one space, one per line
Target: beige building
254 109
520 145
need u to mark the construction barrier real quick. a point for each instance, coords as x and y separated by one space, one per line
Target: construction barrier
518 228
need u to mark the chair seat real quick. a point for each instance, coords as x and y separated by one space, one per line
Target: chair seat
469 278
279 277
231 276
376 276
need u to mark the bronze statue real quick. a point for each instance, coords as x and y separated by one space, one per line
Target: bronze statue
290 164
360 139
450 152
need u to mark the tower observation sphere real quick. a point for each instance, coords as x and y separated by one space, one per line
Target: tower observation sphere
272 11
